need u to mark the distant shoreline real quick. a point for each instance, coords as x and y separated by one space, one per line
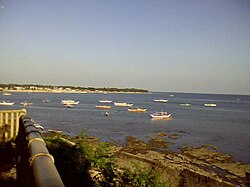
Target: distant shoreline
71 92
65 89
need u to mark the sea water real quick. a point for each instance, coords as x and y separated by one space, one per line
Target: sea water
227 125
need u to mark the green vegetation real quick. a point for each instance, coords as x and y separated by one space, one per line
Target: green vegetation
138 176
83 162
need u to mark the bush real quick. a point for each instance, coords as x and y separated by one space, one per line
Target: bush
143 177
71 161
75 161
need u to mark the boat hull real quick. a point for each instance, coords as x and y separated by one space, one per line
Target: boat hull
69 102
160 115
103 107
123 104
210 104
7 103
137 110
105 101
161 100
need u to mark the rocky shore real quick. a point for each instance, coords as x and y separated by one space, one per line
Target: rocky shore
199 166
192 166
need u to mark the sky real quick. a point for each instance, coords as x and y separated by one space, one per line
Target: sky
198 46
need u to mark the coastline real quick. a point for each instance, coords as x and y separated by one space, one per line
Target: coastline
73 92
65 89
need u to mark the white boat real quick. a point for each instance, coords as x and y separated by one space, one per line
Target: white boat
39 126
6 94
210 104
185 104
26 103
160 115
105 101
122 104
69 102
3 103
161 100
137 109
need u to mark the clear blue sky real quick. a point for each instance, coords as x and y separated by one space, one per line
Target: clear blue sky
160 45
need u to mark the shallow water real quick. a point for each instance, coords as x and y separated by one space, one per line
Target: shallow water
227 125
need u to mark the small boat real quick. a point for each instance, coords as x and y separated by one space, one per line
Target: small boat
69 102
160 115
105 101
185 104
26 103
103 106
46 100
39 126
161 100
6 94
210 104
137 109
3 103
122 104
106 114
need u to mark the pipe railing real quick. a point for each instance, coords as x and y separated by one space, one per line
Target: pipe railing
35 166
9 124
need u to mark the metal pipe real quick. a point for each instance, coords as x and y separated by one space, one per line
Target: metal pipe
42 163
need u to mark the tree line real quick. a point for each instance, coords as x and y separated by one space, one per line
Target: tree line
104 89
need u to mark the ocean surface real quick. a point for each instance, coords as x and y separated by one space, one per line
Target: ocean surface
227 125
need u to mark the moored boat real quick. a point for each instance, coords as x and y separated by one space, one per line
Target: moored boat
160 115
4 103
7 93
161 100
185 104
210 104
69 102
103 106
105 101
137 109
122 104
26 103
46 100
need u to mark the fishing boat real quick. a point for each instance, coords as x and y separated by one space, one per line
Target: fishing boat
69 102
137 109
103 106
160 115
4 103
122 104
105 101
161 100
210 104
26 103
